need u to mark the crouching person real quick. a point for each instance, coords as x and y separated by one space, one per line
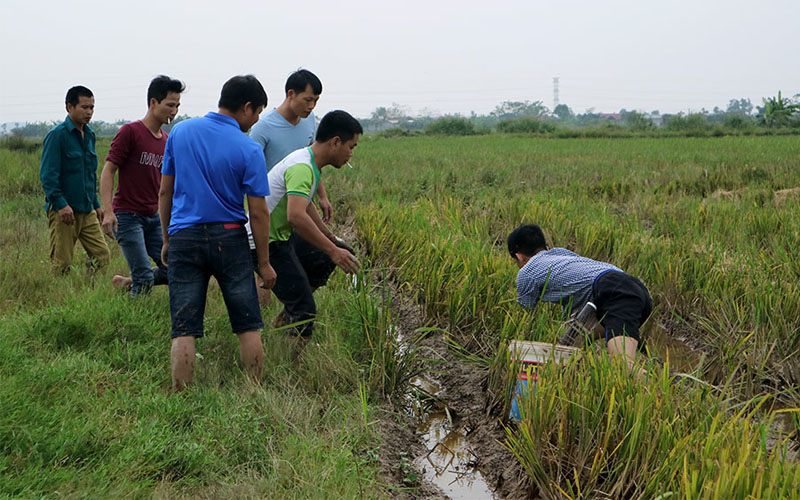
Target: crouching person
564 277
302 250
209 166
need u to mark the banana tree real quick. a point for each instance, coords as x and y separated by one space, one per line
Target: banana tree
777 111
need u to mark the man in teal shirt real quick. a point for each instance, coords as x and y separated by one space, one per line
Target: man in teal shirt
69 180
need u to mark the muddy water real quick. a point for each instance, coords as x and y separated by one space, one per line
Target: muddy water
426 385
449 462
681 357
783 423
782 427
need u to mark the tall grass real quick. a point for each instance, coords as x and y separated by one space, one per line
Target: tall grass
391 354
702 222
697 220
592 430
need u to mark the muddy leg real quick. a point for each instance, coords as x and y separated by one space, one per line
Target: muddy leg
625 347
252 353
182 360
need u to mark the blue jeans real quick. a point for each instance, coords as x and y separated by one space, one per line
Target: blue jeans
199 252
139 237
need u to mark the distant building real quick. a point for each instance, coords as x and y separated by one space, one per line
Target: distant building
658 120
612 117
378 125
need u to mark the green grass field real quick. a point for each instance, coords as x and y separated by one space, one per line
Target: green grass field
86 408
709 224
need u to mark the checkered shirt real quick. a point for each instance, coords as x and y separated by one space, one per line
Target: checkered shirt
560 276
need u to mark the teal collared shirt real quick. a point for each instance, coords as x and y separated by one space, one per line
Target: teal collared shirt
69 168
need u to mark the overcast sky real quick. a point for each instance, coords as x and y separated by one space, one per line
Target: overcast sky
436 56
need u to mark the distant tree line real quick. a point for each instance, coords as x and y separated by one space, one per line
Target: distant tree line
776 115
38 130
533 117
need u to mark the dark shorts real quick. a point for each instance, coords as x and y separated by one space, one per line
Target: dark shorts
196 254
623 303
301 268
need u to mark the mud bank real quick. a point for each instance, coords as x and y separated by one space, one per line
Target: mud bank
446 433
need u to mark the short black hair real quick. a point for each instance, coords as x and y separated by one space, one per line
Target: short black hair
526 239
162 85
75 93
338 124
240 90
302 78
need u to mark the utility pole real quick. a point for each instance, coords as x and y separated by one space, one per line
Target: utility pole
555 92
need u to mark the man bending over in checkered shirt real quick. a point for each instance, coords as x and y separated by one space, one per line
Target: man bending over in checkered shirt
564 277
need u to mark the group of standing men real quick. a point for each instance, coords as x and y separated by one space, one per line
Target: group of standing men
179 202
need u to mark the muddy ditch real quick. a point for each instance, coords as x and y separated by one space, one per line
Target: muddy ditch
440 441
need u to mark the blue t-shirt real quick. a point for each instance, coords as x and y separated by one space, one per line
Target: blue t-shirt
277 137
215 165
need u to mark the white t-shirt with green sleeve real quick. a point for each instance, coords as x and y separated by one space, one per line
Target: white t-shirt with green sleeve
296 174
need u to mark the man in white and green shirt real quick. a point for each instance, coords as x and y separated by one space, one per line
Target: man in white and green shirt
303 251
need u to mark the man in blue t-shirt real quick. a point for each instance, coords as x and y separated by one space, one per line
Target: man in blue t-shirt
292 125
209 166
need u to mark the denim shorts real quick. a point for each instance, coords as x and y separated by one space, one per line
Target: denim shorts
199 252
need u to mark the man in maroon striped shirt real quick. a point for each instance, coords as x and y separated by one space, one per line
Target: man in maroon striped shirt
132 217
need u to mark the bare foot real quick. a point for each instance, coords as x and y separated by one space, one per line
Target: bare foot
280 320
121 282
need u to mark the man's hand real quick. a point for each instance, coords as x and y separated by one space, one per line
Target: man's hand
164 252
327 210
67 216
100 215
268 276
109 223
342 244
345 260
